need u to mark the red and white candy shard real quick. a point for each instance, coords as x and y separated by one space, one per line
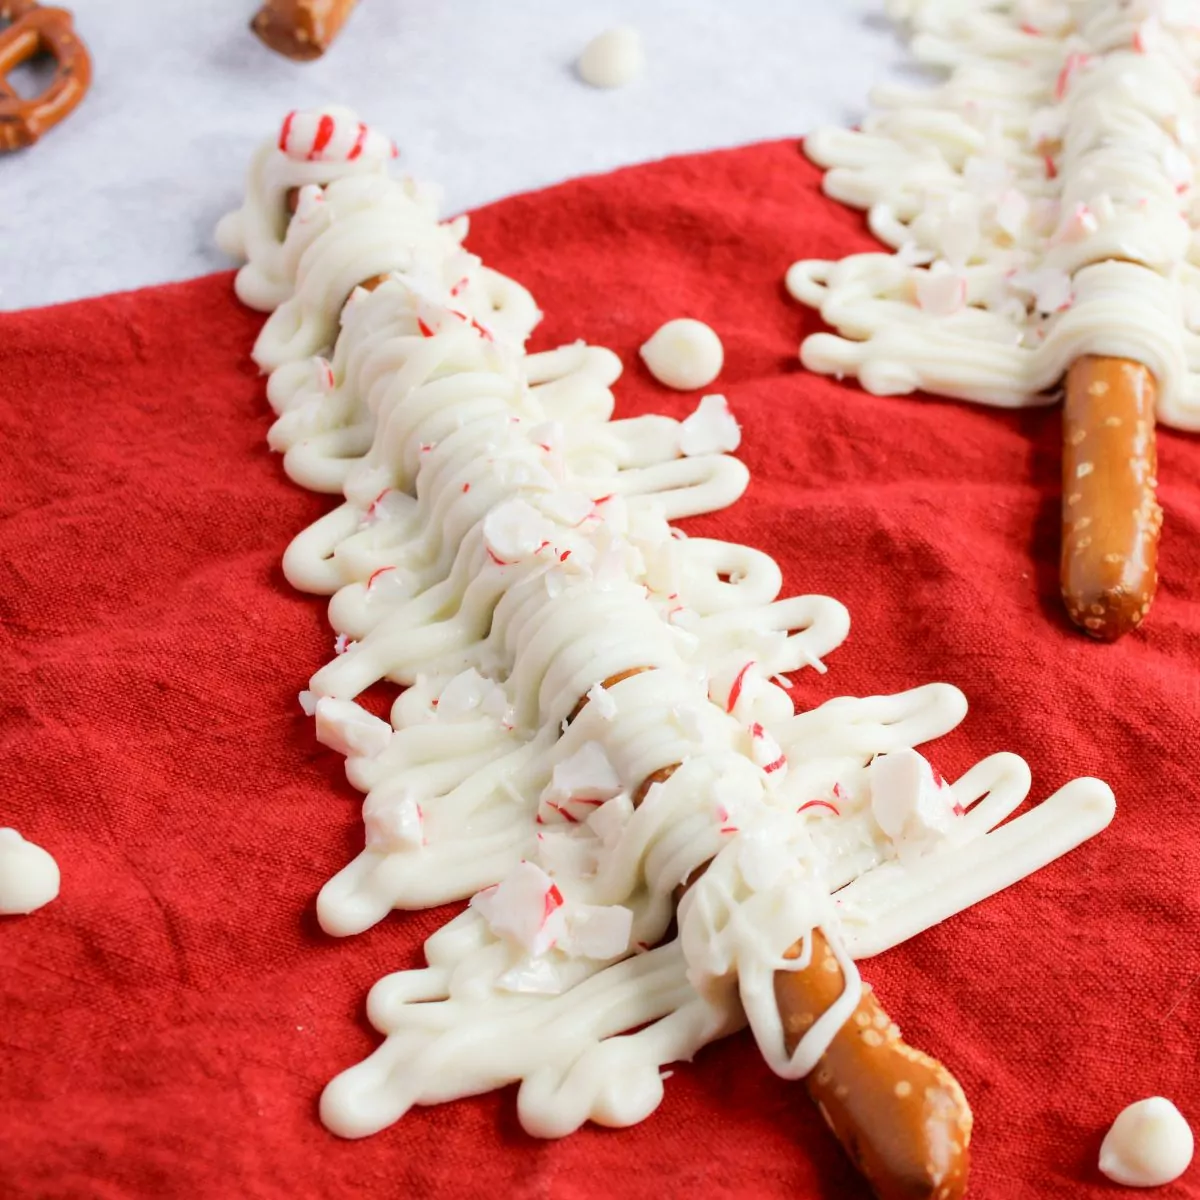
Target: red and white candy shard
913 805
711 429
585 775
348 728
394 822
516 530
525 908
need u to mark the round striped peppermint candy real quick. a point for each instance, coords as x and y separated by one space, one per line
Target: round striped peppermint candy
331 136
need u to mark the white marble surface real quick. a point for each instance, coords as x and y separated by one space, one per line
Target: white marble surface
479 94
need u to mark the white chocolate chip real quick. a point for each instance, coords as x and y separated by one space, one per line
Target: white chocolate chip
29 876
1149 1144
684 354
612 59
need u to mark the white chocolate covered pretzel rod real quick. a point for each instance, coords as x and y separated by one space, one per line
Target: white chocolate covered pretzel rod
595 710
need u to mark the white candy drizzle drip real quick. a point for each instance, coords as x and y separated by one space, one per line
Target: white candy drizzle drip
1040 203
503 549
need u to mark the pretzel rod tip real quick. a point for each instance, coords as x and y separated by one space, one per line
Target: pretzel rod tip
301 30
900 1115
1110 515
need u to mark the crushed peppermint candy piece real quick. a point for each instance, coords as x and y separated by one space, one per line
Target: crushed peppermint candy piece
911 803
711 429
342 643
764 857
941 293
1079 223
609 820
566 507
323 370
548 436
599 695
1050 288
515 530
530 475
687 718
468 695
348 728
1149 37
598 931
309 202
1075 62
308 702
585 775
766 752
568 854
393 822
525 908
1012 211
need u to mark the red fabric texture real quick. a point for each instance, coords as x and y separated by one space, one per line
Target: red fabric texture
167 1024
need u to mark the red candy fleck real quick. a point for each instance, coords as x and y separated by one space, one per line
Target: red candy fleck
425 329
821 804
1075 62
553 900
466 488
735 692
375 503
376 574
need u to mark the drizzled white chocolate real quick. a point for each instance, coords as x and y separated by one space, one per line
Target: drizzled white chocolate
504 551
1040 203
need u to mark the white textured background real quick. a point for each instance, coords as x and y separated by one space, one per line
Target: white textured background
480 95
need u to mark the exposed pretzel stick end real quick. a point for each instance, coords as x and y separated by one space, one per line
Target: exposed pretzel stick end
1111 519
900 1115
301 30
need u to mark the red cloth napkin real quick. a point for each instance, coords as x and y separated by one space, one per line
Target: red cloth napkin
166 1026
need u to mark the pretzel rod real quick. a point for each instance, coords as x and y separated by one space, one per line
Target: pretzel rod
900 1116
34 31
1110 517
301 29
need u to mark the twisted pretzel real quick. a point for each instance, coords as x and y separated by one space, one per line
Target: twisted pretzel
33 31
